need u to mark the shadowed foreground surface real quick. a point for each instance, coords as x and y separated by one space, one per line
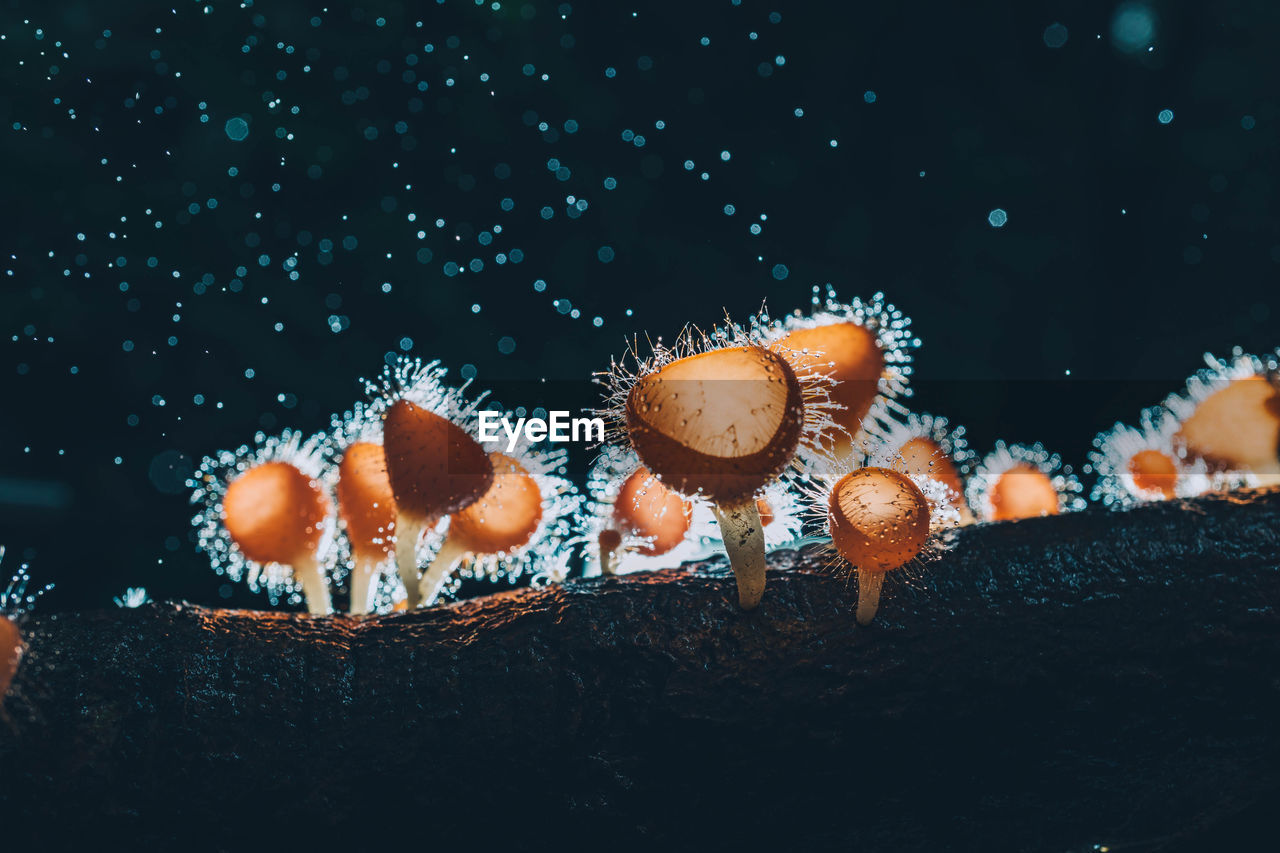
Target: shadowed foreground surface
1096 678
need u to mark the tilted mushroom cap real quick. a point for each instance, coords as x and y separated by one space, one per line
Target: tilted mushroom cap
722 422
434 466
275 513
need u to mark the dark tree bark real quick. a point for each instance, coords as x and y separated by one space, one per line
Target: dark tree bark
1046 685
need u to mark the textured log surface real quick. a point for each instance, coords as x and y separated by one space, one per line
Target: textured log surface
1046 685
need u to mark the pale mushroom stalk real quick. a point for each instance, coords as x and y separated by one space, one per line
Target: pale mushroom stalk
743 536
869 586
408 531
315 588
433 579
364 586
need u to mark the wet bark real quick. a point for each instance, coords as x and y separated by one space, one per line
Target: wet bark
1048 684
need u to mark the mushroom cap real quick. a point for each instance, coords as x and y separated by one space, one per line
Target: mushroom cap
1154 471
1237 426
1023 492
878 518
722 422
434 466
365 501
275 513
924 457
609 540
852 356
506 516
649 509
10 653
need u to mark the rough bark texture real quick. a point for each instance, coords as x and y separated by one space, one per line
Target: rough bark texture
1046 685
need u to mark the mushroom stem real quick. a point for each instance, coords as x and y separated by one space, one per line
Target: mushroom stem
434 577
315 589
869 584
743 537
608 561
363 586
408 530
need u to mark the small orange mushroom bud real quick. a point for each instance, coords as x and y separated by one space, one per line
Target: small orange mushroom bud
722 423
504 518
1139 464
765 511
1018 481
435 468
879 521
368 509
1154 471
1023 492
276 514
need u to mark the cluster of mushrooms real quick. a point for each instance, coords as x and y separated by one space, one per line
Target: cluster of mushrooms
741 439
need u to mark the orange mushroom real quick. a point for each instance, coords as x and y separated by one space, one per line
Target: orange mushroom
721 424
864 347
1237 427
368 510
1022 481
879 520
650 511
267 514
434 466
276 514
1154 471
1138 464
503 519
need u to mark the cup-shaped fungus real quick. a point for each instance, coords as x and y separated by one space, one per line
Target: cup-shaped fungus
267 516
434 464
1135 465
15 600
864 347
1022 481
366 506
928 446
1230 414
719 418
517 527
634 522
880 520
